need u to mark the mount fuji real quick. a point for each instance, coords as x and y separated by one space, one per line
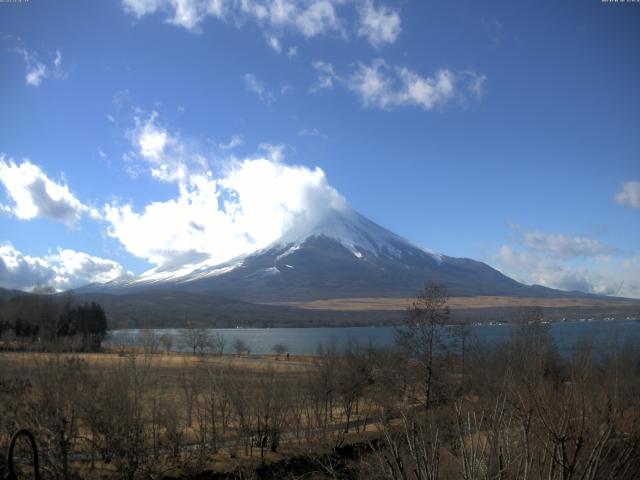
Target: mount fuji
341 255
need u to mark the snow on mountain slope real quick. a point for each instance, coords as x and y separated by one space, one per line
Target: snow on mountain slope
355 232
362 237
341 254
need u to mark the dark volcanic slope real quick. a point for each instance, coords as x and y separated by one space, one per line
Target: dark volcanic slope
322 267
344 255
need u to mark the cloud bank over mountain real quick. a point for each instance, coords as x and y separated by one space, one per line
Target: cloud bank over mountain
215 216
61 270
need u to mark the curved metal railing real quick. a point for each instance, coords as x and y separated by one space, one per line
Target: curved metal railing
34 451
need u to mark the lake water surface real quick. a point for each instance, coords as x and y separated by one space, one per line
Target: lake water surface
305 341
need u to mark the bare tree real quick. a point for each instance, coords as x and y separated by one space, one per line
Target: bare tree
422 335
150 341
167 342
410 451
195 339
461 333
218 343
241 346
279 349
55 409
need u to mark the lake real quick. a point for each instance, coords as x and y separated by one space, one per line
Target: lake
305 341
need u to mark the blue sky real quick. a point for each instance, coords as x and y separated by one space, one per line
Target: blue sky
146 133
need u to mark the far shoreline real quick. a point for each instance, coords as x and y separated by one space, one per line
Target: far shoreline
390 325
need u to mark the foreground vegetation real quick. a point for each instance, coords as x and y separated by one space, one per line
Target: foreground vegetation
520 410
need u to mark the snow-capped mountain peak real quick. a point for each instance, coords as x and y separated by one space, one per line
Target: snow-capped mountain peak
339 254
341 224
352 230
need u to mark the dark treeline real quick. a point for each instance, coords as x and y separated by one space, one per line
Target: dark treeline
44 320
433 407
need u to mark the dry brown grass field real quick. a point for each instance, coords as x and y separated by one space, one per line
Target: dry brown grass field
481 302
175 394
161 361
515 411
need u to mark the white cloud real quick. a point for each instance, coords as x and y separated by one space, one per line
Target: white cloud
318 18
168 157
57 61
563 246
36 71
311 132
607 276
215 219
274 152
569 263
476 83
286 88
78 268
246 206
426 92
62 270
380 25
292 52
234 141
309 18
140 8
253 85
326 76
23 271
35 74
188 14
379 85
35 195
629 195
274 42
